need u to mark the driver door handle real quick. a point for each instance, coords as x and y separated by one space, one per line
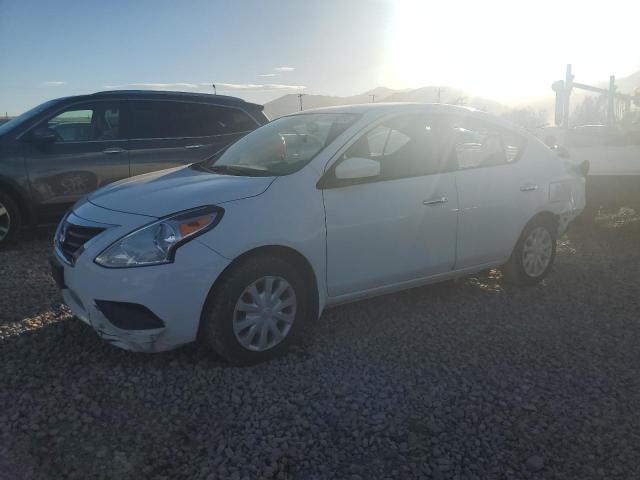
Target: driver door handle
528 188
191 147
435 201
113 151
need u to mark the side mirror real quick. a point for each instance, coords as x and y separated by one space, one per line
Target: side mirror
357 167
44 135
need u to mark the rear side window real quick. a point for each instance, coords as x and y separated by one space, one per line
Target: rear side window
90 122
160 119
476 143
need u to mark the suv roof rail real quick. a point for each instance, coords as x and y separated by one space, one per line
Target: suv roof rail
168 92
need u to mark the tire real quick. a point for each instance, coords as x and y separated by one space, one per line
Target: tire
234 330
538 240
10 220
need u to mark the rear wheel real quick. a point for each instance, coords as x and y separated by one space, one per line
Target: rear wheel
10 219
534 253
256 311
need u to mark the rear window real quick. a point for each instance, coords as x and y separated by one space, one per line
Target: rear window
159 119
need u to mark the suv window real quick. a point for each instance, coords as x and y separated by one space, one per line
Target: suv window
87 123
476 143
405 146
167 119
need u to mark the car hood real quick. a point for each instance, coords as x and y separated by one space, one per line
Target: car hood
164 192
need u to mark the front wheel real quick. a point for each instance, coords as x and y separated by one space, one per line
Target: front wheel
256 310
534 253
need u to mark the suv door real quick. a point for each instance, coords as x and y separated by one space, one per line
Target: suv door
88 152
397 227
494 192
165 134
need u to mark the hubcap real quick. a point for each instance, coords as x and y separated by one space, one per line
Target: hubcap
537 252
264 313
5 222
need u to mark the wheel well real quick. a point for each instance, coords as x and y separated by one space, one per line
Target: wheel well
548 216
289 255
15 193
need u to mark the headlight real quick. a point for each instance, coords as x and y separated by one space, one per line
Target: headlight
156 243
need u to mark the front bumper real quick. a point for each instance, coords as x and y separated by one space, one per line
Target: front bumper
173 293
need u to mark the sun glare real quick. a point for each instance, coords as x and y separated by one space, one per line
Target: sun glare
507 50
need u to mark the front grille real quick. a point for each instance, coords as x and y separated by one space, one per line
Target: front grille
72 238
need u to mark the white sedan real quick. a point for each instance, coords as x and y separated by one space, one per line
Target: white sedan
311 210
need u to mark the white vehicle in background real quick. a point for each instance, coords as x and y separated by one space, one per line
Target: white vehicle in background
613 153
308 211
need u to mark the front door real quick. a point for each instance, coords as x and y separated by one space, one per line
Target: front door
397 227
88 153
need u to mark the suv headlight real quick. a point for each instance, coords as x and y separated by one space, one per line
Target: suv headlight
156 243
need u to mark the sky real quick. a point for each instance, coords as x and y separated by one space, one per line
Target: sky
510 51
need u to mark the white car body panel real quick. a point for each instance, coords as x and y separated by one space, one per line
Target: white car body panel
360 240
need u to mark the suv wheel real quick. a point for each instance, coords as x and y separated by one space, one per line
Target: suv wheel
10 219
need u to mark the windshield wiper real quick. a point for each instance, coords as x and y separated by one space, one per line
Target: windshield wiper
238 170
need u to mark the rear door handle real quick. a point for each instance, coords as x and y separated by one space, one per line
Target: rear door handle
191 147
528 188
113 151
435 201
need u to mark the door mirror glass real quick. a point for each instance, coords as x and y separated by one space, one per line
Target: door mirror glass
44 135
357 167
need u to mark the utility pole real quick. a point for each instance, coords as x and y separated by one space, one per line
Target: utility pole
373 98
300 95
214 89
438 95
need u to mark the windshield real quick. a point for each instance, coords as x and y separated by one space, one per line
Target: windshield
14 122
281 147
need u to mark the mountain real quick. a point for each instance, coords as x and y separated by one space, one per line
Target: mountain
629 84
291 103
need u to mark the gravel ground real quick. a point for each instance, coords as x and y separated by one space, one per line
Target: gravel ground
470 379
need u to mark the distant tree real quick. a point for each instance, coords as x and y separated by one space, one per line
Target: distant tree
592 111
527 117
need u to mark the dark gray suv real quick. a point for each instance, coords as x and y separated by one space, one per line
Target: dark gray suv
63 149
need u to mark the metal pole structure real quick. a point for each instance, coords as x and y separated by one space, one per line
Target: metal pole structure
611 106
373 98
568 85
300 95
438 95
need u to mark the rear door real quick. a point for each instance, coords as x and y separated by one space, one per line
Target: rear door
165 134
89 152
494 192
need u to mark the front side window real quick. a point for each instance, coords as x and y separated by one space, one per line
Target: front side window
86 123
476 143
283 146
405 146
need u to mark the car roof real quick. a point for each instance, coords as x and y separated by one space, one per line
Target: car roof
374 110
166 95
384 108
